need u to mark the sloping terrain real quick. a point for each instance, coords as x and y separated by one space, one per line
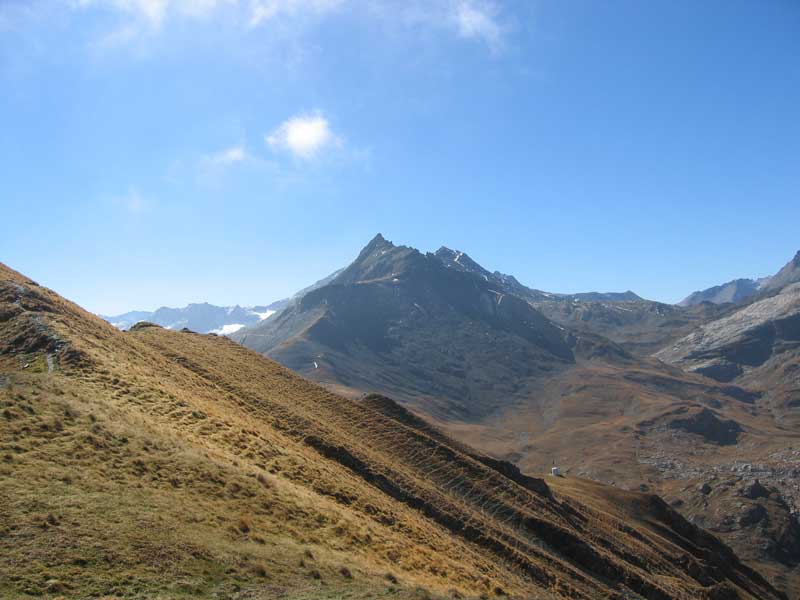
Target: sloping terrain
155 463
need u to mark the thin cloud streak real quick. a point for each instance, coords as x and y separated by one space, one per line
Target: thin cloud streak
469 19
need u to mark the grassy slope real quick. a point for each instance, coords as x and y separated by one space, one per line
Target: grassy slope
167 464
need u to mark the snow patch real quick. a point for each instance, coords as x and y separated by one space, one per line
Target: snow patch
263 315
228 329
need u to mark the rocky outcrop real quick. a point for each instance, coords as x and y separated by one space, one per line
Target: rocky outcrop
707 424
144 325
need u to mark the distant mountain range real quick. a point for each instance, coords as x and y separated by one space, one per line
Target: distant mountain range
208 318
201 318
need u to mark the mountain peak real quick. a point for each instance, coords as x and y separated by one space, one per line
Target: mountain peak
379 258
376 244
379 241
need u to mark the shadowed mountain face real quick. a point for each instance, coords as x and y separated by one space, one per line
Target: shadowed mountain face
171 464
417 328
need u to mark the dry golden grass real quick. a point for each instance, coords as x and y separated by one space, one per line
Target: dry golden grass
159 464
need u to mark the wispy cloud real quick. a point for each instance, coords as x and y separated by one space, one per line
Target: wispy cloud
470 19
154 12
211 168
133 202
478 20
264 10
229 156
304 136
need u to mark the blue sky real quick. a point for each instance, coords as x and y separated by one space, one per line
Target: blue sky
159 152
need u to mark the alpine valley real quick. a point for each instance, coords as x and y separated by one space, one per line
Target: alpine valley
697 402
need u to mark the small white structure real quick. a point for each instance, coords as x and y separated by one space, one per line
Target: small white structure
555 472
